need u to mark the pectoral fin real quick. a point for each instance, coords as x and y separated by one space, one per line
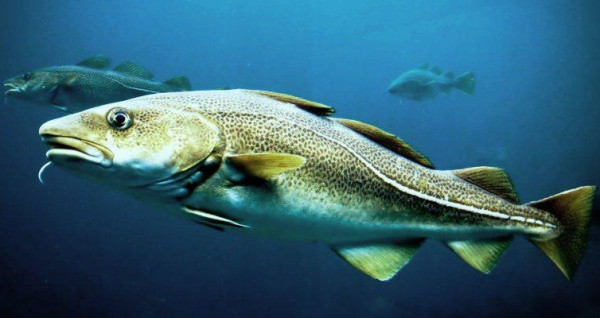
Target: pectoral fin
265 165
213 219
483 255
381 261
59 96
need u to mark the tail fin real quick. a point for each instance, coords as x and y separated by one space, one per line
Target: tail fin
180 83
572 208
466 83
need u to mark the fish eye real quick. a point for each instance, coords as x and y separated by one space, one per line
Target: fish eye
26 76
119 118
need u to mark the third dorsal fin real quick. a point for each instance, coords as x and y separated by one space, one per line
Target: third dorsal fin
493 179
386 140
313 107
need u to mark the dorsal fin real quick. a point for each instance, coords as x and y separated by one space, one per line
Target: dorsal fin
313 107
386 140
493 179
133 69
436 70
180 83
97 62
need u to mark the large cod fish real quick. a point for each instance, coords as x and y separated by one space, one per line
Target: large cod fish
73 88
277 165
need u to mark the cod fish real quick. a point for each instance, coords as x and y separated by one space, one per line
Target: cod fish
73 88
424 83
279 166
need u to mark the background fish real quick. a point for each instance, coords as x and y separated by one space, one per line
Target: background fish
276 165
72 88
424 83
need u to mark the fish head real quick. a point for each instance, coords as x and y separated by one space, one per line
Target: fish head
37 86
414 84
138 145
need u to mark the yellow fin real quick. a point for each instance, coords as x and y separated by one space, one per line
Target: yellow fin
381 261
495 180
309 106
133 69
572 209
265 165
97 62
386 140
483 255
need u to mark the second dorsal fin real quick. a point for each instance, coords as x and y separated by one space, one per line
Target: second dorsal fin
309 106
386 140
493 179
133 69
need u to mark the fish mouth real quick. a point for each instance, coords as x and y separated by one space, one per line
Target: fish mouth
11 89
71 149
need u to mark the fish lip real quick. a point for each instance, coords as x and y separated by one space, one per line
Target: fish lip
11 89
68 147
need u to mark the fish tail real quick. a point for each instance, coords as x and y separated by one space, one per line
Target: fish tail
466 83
572 209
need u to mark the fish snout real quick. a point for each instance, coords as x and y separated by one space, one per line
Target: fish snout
11 89
66 146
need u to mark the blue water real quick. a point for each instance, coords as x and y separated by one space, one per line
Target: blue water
71 248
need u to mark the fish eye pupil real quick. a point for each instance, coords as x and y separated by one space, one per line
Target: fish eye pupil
119 118
26 76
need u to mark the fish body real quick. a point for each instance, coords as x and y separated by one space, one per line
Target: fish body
73 88
425 82
275 165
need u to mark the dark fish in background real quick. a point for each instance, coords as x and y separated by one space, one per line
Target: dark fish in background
73 88
425 82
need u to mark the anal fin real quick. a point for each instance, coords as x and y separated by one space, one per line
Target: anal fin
492 179
483 255
381 261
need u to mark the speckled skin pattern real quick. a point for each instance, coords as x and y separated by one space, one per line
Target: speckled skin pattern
350 189
91 87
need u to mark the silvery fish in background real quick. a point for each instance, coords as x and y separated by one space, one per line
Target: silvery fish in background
276 165
73 88
425 82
